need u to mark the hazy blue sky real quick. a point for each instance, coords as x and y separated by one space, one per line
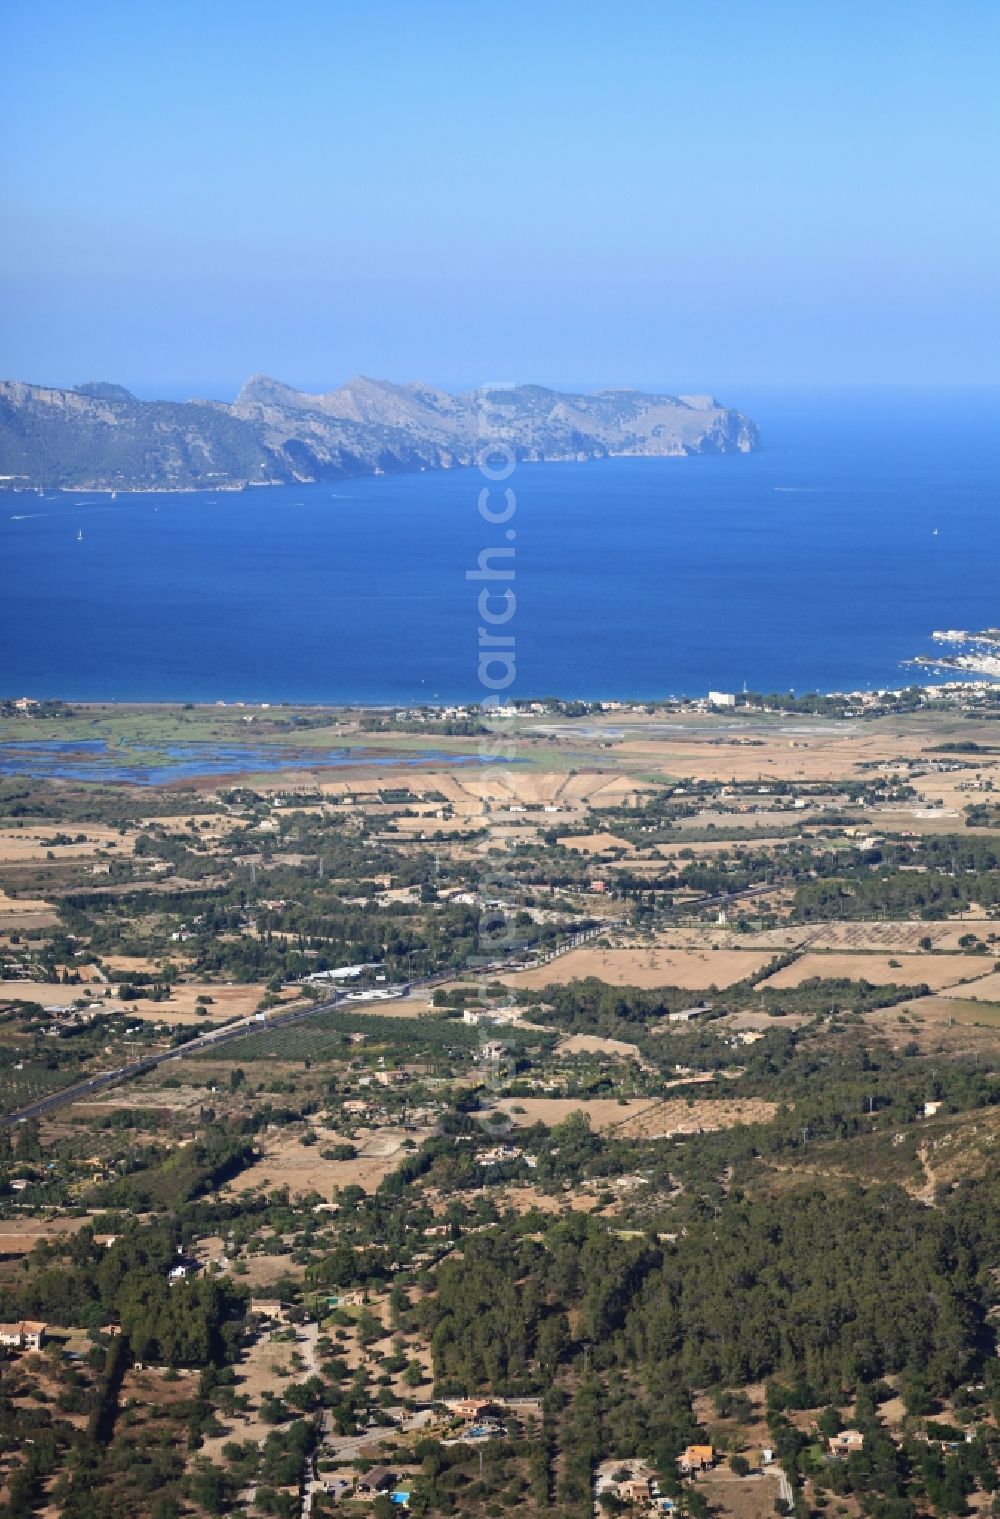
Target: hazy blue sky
558 190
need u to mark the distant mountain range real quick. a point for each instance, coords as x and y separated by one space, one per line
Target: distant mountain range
100 437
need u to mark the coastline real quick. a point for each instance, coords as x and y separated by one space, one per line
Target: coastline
215 746
741 705
237 487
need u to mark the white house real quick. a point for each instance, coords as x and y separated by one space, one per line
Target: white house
27 1335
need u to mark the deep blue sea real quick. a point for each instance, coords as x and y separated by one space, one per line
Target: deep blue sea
868 519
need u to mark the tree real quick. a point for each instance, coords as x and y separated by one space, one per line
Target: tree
553 1341
829 1423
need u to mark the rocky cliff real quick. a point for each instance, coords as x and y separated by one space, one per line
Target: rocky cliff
98 436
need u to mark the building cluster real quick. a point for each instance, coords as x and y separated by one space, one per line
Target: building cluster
633 1484
504 1155
492 1017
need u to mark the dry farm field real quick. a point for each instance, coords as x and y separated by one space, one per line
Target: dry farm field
593 1044
937 971
182 1006
641 1117
287 1162
695 969
597 843
984 988
904 937
35 844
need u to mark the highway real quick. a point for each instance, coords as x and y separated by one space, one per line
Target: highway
208 1041
257 1023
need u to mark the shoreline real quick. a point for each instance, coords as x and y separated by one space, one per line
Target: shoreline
239 487
209 747
525 706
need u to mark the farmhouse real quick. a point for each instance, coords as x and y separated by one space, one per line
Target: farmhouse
500 1155
354 1298
470 1408
378 1480
491 1050
27 1335
697 1458
847 1441
269 1308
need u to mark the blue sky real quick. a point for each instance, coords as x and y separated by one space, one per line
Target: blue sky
637 193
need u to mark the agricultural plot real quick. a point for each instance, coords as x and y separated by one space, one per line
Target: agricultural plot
983 989
952 1009
638 1117
25 912
144 1094
695 969
183 1006
287 1162
939 1027
936 971
329 1035
783 820
597 843
529 1199
32 1081
593 1044
49 993
907 938
679 1115
19 1236
715 936
706 848
20 846
732 1497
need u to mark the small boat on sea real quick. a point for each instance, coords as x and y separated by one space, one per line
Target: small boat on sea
79 535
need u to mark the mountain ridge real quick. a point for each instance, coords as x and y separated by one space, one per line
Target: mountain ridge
98 436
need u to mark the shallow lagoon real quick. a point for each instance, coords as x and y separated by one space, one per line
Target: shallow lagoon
95 760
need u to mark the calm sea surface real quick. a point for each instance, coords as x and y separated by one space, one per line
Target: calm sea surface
867 520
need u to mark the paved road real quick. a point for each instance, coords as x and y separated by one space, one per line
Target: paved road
307 1340
257 1022
211 1040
